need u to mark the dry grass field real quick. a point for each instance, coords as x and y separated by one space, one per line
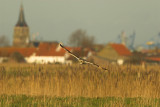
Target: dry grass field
127 84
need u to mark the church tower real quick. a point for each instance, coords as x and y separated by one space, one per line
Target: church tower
21 31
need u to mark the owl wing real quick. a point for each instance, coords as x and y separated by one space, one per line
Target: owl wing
69 52
82 60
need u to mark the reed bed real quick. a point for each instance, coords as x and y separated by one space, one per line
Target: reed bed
127 81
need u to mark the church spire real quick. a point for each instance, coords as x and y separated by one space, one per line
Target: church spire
21 20
21 31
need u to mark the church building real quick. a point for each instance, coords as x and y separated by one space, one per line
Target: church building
21 31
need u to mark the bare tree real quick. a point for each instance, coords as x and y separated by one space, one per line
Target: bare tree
81 39
4 41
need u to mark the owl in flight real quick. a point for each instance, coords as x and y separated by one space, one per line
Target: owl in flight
82 61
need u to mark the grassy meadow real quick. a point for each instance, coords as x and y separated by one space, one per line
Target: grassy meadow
79 85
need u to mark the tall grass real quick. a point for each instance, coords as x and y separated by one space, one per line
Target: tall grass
79 81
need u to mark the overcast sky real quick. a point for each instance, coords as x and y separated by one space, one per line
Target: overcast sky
55 20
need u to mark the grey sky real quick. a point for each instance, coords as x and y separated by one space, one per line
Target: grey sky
105 19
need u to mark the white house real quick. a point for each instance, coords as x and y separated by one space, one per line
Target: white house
45 53
48 53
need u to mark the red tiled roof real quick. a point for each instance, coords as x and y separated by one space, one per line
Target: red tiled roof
44 49
73 48
23 51
153 58
50 49
51 52
45 45
121 49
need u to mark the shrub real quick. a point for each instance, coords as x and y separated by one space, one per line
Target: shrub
17 57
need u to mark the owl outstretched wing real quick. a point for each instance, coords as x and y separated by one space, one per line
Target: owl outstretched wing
82 61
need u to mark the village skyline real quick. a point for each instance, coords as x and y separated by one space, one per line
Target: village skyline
56 20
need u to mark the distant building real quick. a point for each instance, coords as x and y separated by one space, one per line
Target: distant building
37 51
153 59
6 52
98 47
21 31
46 52
115 53
151 55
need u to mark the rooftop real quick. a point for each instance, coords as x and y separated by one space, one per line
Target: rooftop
121 49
